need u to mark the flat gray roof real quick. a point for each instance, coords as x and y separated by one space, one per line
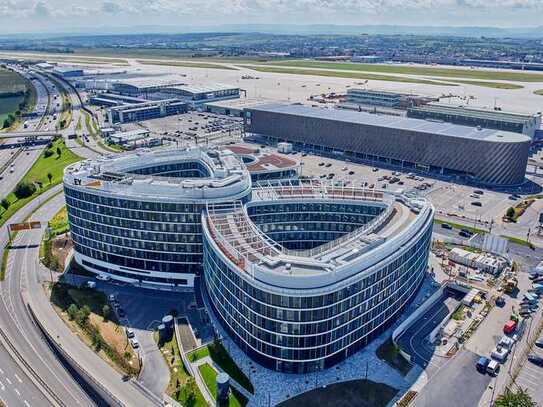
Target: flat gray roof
476 112
395 122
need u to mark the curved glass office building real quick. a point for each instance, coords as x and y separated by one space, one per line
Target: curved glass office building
137 217
304 276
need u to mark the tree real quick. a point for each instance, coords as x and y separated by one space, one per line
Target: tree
24 189
47 153
82 315
510 212
49 176
190 392
59 151
106 311
72 311
5 204
511 399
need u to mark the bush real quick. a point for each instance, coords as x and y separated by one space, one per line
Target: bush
72 311
24 190
47 153
5 204
510 213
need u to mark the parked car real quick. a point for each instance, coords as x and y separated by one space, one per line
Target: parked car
535 359
446 226
539 343
129 333
134 342
477 203
101 277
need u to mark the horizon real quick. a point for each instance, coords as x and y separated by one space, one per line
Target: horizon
54 16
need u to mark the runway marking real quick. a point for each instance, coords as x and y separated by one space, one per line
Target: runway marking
1 371
18 378
2 386
17 391
9 381
27 404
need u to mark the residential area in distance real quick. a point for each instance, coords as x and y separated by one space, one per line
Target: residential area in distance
271 215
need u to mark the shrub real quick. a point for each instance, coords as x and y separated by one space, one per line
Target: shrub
24 189
72 311
47 153
510 212
5 204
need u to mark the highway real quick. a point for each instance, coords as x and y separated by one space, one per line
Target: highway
25 277
19 157
31 374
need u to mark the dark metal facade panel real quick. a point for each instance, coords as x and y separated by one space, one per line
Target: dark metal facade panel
489 161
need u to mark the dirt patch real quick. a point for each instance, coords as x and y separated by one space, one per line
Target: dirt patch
60 247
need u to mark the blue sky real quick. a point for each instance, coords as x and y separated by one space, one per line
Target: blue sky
59 15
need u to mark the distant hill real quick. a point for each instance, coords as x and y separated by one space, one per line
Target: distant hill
311 29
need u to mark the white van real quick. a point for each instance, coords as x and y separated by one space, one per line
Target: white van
493 368
500 354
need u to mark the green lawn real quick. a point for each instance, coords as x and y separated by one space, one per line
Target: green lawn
221 357
185 64
418 70
179 387
38 175
59 222
198 354
538 92
209 375
344 74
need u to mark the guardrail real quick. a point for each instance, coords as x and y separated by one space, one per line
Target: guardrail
51 396
99 390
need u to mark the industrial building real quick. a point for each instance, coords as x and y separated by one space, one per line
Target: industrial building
266 165
484 156
112 99
68 72
368 59
473 116
233 107
145 111
386 99
128 137
482 261
301 275
147 85
197 95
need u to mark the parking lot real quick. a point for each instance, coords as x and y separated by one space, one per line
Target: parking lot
531 378
192 128
448 198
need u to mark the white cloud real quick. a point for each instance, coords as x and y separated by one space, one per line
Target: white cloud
194 12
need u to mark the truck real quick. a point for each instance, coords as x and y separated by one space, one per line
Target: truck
509 327
482 364
510 285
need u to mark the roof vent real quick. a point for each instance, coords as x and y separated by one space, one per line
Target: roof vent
479 128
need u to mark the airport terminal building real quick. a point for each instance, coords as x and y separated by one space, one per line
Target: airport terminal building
484 156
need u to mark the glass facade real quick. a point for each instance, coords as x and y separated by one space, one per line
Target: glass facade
299 331
139 237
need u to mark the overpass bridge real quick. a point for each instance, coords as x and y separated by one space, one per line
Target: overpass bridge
32 135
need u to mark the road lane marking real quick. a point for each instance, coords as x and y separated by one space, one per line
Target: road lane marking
17 391
18 378
2 386
1 371
9 381
26 403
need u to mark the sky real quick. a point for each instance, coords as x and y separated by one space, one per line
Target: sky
67 15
